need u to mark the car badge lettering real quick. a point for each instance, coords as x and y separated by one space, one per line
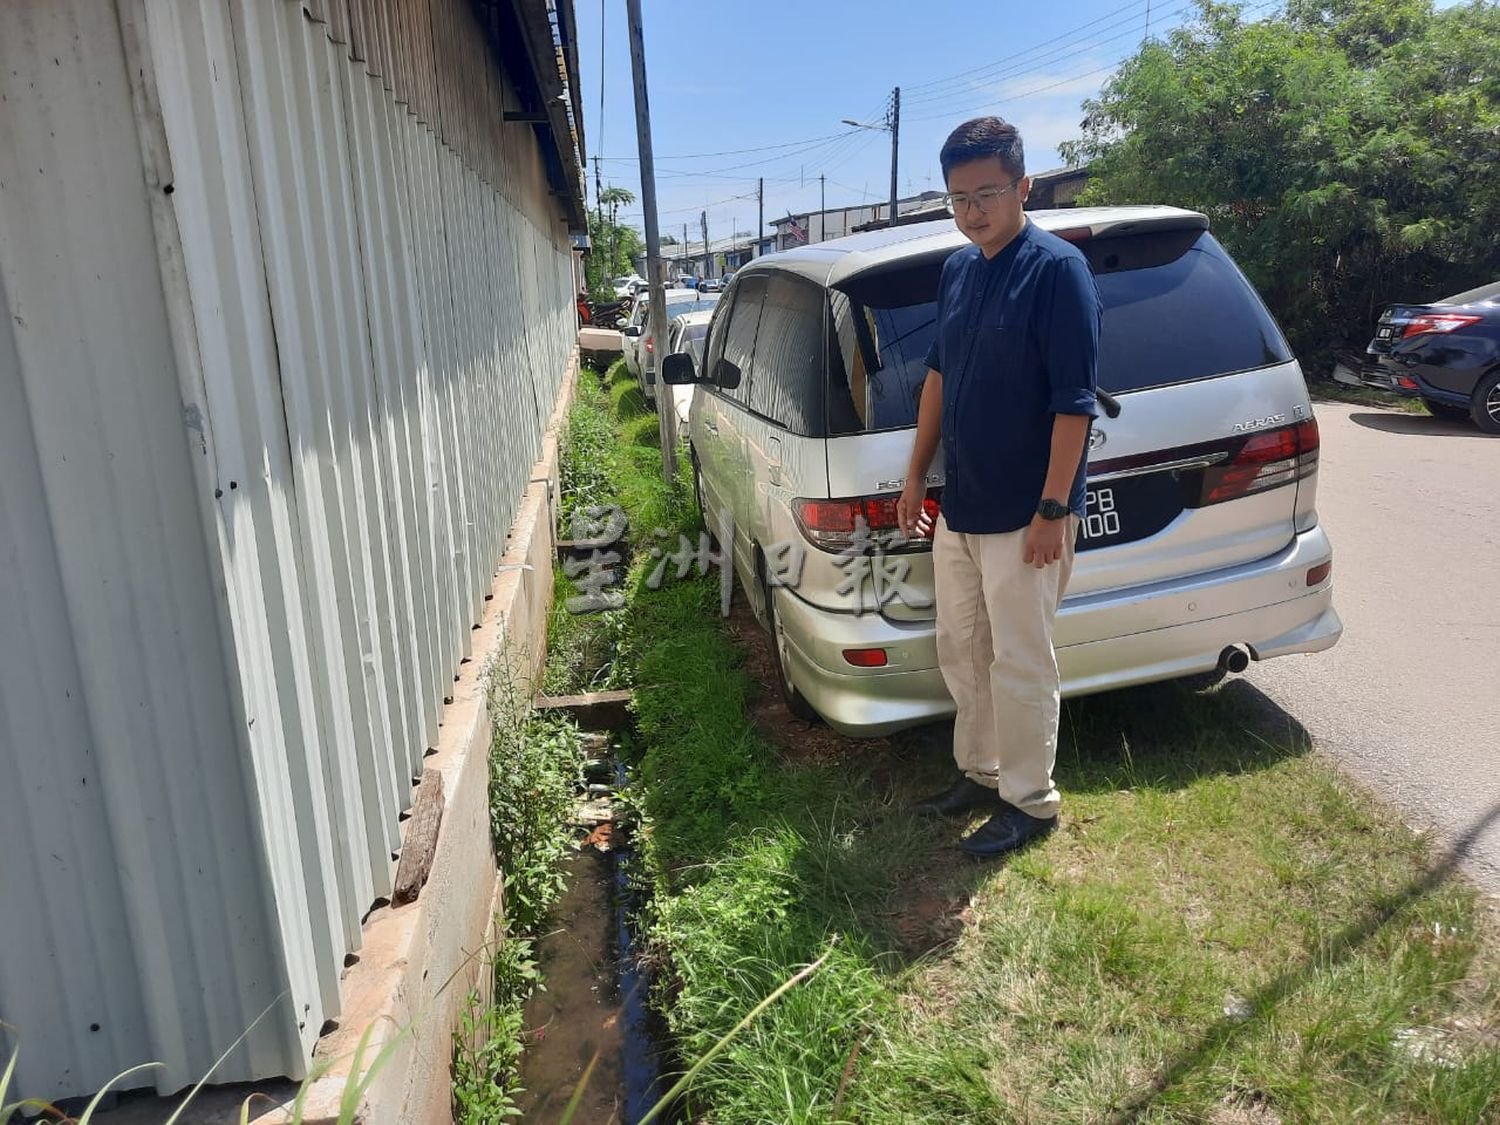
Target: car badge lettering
1259 423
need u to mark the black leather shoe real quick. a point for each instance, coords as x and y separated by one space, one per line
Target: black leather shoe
960 797
1005 832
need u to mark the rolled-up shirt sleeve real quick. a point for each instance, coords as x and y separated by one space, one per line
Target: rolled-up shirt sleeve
1070 338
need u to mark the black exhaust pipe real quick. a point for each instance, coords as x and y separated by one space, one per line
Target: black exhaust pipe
1234 659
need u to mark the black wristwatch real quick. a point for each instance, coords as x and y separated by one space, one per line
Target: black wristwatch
1052 510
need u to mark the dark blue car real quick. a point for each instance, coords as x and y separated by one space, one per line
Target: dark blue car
1447 352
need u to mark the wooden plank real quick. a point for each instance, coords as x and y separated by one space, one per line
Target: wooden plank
419 843
595 710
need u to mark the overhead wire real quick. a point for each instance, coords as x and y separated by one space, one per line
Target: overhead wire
991 100
918 91
1049 59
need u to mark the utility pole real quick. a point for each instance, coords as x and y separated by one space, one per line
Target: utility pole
760 194
594 251
685 259
895 144
666 411
822 208
708 257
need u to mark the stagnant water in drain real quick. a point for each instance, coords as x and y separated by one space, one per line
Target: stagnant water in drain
593 1017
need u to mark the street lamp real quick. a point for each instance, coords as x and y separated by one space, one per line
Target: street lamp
892 125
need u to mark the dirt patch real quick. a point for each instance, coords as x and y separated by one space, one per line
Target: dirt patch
797 739
927 917
1244 1107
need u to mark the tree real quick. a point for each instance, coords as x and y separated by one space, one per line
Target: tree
614 198
615 247
1344 152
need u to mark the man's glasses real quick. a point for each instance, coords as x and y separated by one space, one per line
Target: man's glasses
986 199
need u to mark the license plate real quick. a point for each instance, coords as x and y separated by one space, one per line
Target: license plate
1128 509
1101 515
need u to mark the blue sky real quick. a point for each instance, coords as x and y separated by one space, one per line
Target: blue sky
730 75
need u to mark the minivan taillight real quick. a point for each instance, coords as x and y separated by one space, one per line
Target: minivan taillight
1263 461
834 525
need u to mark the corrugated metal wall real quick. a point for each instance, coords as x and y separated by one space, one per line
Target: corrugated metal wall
287 305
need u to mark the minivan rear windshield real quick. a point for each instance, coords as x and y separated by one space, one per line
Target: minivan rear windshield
1176 310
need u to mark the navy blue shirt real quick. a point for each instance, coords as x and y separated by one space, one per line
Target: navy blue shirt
1017 339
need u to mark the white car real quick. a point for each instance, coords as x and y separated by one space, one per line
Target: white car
686 334
1202 549
640 347
628 286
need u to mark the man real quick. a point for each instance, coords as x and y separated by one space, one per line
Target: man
1010 393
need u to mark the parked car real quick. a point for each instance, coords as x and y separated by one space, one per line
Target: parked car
711 285
1201 549
1447 352
640 345
629 286
685 335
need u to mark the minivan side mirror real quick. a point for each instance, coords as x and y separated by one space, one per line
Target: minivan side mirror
635 330
727 376
678 370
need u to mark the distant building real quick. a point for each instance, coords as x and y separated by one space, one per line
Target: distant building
1059 187
836 222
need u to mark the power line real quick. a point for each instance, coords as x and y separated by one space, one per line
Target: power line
916 88
830 144
1041 62
832 152
743 151
603 39
949 113
969 107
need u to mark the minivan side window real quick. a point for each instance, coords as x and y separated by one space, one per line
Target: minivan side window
787 387
738 336
882 326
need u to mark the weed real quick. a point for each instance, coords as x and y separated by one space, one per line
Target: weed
487 1048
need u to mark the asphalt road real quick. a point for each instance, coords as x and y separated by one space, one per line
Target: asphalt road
1409 699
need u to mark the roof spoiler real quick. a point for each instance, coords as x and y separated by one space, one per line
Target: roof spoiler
1115 228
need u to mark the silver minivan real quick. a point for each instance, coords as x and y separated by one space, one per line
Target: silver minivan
1201 549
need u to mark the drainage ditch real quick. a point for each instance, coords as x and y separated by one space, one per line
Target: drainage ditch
592 1038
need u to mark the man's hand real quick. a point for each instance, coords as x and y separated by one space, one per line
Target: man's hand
1045 539
909 514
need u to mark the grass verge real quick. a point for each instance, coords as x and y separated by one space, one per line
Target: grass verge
1331 390
1222 930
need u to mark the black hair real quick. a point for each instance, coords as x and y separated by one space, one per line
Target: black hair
980 138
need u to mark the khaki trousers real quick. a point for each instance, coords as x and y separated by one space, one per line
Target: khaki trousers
994 641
